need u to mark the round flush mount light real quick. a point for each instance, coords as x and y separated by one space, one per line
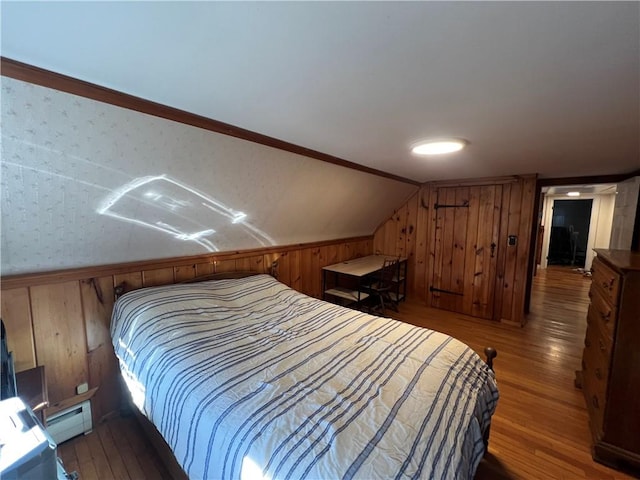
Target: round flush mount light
573 194
439 147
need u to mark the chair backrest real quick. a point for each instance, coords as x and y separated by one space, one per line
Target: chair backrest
389 270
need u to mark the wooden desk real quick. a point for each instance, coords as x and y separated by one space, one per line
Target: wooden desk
361 271
32 389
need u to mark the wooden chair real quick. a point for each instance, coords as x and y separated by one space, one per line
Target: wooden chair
383 287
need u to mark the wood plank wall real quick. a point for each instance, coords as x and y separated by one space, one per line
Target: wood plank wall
61 319
411 233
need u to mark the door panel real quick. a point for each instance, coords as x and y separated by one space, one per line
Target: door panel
466 244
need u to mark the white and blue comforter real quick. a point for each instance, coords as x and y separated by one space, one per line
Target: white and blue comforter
249 378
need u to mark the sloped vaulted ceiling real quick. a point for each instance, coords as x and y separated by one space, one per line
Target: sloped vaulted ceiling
87 183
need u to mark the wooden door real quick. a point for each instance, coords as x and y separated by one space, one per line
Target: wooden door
466 249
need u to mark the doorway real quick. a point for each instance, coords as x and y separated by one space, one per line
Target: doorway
569 232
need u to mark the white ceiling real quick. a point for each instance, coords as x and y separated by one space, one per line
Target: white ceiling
543 87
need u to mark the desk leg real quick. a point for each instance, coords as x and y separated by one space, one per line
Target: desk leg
324 283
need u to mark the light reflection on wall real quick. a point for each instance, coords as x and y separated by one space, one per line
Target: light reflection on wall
167 205
63 156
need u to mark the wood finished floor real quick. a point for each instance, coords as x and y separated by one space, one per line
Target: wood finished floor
539 431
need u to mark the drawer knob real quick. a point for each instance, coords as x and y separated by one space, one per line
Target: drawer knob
594 401
606 316
608 285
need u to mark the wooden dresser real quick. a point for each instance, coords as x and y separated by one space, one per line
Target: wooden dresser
610 375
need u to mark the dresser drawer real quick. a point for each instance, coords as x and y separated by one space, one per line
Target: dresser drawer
595 400
595 374
595 367
597 341
605 280
602 313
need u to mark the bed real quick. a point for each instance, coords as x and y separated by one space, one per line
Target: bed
248 378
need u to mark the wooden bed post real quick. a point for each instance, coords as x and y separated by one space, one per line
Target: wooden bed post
490 353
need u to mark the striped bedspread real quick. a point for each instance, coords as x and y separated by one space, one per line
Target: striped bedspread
248 378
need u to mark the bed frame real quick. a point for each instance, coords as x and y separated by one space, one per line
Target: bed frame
155 438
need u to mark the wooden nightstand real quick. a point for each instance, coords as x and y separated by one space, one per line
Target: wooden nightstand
32 389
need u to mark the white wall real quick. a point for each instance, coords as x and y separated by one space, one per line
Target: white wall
86 183
625 213
599 226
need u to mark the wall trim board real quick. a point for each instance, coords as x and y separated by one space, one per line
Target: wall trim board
555 182
47 78
58 276
478 182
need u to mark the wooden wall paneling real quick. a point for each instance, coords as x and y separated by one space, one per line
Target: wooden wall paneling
447 301
411 232
484 283
471 246
501 282
97 305
60 338
429 217
434 242
495 240
329 256
523 248
482 261
208 268
458 256
345 251
158 276
295 272
306 261
16 315
130 281
282 269
228 265
60 276
400 247
364 248
184 272
250 264
439 225
513 223
418 268
390 237
317 262
268 260
380 236
357 249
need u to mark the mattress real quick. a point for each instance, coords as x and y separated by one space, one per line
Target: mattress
248 378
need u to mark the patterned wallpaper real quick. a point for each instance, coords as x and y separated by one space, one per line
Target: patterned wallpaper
86 183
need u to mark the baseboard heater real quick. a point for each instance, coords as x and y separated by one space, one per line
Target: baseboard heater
70 422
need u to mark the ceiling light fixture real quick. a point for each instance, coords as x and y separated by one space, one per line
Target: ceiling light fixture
438 147
573 194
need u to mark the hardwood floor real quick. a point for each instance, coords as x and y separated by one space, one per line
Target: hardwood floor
540 429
